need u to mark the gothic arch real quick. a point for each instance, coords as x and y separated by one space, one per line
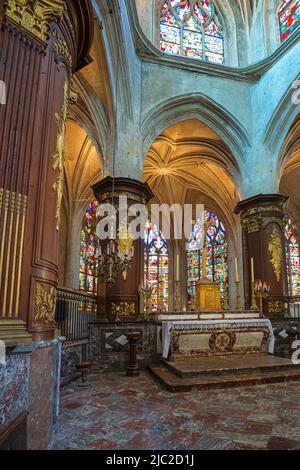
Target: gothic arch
200 107
279 126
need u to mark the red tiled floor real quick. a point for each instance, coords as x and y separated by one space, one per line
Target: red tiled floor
117 412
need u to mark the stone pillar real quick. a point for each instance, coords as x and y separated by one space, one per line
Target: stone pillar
122 301
42 43
262 219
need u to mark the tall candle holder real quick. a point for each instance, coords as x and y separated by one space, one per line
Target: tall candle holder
238 297
262 290
177 296
254 307
225 298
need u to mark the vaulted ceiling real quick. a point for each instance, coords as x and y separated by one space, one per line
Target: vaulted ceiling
188 164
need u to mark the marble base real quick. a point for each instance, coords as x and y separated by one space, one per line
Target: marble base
109 347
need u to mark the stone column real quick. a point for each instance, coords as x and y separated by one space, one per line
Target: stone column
262 219
122 301
42 43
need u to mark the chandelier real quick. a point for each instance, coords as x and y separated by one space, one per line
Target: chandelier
116 260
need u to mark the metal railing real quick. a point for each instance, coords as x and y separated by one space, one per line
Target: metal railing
74 311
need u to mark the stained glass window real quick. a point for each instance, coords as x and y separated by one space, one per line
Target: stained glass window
156 266
289 17
216 255
89 250
293 259
191 28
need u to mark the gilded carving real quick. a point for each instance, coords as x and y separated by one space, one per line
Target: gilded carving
275 250
277 307
252 224
123 309
35 16
44 308
60 47
59 164
222 342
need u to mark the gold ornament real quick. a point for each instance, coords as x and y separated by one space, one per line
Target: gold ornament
275 250
44 305
35 16
124 309
59 164
60 47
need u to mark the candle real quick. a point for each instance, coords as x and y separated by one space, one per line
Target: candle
177 269
252 270
237 270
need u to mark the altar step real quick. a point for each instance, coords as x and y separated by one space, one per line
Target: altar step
221 372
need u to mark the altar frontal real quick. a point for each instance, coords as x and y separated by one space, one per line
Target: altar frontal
203 338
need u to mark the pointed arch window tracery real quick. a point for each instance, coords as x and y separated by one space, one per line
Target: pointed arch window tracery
292 259
89 250
216 255
156 266
289 17
192 28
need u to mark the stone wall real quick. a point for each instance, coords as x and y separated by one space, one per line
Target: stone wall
71 357
109 346
14 385
29 382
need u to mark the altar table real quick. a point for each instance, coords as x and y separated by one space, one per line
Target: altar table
192 338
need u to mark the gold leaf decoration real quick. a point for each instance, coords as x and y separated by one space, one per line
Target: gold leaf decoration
59 164
44 305
35 16
275 250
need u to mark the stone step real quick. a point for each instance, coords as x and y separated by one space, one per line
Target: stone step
224 365
175 384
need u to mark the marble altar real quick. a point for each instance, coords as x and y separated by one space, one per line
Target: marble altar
230 334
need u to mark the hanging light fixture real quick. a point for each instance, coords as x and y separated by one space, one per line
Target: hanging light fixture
118 256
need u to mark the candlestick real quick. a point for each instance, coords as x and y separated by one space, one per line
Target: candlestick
238 297
254 305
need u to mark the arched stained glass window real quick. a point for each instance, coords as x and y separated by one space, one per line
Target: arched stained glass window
289 17
293 260
156 267
89 250
216 255
191 28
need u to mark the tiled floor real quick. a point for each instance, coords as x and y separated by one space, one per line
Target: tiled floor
117 412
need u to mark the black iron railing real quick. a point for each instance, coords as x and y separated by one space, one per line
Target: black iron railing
74 311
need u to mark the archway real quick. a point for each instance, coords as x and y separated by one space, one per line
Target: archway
190 164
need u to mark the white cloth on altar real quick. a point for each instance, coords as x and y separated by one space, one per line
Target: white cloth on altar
167 327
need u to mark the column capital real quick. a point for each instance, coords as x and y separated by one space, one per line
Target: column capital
136 191
262 203
35 16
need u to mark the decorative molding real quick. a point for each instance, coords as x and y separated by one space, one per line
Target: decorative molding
35 16
59 157
123 309
275 250
252 224
60 48
44 306
13 210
